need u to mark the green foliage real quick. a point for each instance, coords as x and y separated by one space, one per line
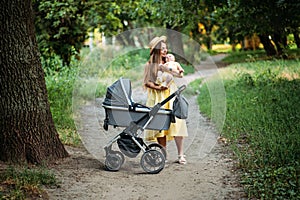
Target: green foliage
182 16
60 27
273 183
106 16
263 124
268 18
188 69
193 87
60 84
245 56
204 101
25 183
60 88
258 55
100 68
127 65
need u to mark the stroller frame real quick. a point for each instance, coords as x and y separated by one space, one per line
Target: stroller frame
130 143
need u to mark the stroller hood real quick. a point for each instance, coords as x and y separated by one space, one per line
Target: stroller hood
119 94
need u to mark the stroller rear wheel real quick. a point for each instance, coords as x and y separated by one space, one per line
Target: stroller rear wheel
153 161
114 160
158 147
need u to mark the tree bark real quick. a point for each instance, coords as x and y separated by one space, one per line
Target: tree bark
280 42
297 38
268 46
176 44
27 131
209 43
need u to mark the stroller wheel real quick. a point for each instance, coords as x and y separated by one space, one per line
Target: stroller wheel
153 161
105 125
114 161
159 148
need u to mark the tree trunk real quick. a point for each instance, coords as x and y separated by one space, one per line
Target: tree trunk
297 38
208 42
280 42
268 46
176 44
27 131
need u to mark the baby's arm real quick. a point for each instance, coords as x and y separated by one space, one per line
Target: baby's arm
179 68
172 67
159 78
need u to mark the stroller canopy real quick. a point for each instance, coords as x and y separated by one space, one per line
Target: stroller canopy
119 94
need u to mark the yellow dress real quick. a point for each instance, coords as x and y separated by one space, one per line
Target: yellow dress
176 129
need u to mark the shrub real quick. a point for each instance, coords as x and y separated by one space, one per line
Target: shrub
25 183
263 125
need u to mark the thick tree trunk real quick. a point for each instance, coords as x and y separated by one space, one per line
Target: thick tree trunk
268 46
27 131
280 42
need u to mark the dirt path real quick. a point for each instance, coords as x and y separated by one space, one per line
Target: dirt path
208 174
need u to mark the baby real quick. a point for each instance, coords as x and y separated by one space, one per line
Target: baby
167 71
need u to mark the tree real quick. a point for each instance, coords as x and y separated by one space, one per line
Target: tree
268 19
27 131
61 27
166 14
183 16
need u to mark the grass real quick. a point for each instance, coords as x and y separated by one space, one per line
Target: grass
60 84
258 55
193 88
263 124
25 183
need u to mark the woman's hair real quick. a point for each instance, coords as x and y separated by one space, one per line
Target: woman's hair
151 67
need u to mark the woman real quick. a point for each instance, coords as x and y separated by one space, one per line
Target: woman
157 93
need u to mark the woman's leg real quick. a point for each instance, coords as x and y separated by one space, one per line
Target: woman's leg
179 145
162 141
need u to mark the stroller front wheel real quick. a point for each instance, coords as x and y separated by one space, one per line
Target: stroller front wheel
114 161
153 161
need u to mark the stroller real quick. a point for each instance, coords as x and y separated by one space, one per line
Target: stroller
122 111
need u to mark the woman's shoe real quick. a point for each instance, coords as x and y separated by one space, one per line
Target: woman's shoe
181 159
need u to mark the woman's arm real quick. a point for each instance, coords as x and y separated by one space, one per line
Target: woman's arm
152 85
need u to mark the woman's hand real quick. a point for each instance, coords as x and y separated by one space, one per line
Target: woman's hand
161 67
155 86
161 87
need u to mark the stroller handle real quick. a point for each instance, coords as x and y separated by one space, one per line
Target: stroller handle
181 88
177 92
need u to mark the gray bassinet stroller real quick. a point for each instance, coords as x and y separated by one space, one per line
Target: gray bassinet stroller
122 111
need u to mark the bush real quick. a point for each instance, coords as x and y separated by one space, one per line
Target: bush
263 125
25 183
60 81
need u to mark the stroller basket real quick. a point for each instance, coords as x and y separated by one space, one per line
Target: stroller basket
128 146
